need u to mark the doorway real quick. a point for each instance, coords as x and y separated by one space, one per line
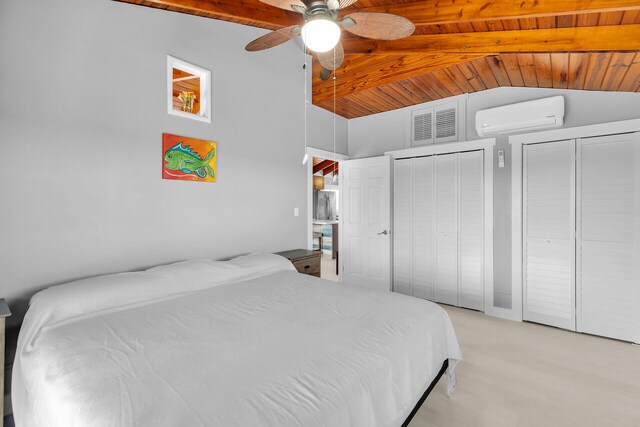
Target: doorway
324 210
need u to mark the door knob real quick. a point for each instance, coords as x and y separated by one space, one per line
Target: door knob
385 232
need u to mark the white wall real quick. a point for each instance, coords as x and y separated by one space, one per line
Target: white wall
373 135
82 112
320 130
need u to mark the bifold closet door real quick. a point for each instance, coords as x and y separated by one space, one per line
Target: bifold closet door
471 230
423 227
413 219
549 233
446 195
439 227
608 236
402 226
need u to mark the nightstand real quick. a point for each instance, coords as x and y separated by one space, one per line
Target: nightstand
306 262
4 313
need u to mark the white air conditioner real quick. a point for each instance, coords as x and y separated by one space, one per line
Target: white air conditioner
534 115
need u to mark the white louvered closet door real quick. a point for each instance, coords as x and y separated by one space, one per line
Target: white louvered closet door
608 236
402 226
423 228
446 194
470 230
549 233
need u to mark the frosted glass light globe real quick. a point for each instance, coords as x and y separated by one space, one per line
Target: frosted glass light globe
321 35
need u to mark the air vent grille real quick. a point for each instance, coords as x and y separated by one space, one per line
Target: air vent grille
422 126
433 125
446 123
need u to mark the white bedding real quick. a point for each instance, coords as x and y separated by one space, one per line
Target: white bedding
248 342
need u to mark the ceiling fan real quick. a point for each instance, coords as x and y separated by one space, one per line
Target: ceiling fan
321 29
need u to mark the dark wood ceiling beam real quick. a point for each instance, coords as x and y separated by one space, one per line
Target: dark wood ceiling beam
429 12
322 166
248 12
578 39
333 168
361 72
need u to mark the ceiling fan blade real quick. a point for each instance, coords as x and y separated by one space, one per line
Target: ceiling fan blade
380 26
273 38
331 60
286 4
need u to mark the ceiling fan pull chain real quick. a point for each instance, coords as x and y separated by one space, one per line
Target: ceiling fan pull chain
305 158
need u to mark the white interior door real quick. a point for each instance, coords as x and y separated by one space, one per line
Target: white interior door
471 230
366 222
446 194
608 226
402 226
549 233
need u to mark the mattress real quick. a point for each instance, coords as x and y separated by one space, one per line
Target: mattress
248 342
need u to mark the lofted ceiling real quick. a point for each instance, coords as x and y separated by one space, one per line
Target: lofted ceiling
462 46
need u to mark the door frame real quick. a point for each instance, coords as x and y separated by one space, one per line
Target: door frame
336 157
517 141
487 147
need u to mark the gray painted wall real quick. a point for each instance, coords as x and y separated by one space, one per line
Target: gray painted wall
320 130
373 135
82 112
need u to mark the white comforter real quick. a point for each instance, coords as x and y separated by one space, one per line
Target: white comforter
248 342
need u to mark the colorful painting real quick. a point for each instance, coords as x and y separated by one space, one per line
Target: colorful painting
188 159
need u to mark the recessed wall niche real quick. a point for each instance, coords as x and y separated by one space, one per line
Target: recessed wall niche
188 90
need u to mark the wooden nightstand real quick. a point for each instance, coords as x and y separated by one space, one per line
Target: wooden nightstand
306 262
4 312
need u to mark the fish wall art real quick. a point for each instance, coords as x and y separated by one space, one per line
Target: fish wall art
188 159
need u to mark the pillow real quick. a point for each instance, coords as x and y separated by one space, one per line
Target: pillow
112 290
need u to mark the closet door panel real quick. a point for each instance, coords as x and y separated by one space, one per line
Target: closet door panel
402 225
470 230
423 228
446 278
549 233
608 217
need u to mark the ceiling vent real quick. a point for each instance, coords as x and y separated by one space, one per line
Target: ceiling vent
434 124
422 125
446 123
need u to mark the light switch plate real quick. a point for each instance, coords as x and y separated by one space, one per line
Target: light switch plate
500 158
296 211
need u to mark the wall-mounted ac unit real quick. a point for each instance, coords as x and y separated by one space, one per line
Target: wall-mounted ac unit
527 116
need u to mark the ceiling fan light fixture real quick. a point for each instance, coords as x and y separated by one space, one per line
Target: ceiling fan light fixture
321 34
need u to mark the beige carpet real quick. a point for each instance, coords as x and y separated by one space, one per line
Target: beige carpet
523 374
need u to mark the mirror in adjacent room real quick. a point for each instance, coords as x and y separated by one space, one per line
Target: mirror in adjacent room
325 213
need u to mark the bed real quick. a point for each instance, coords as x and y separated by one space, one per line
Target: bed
246 342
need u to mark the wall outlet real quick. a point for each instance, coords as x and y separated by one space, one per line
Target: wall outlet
296 211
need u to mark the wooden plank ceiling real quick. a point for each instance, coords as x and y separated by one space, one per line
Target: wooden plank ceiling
462 46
